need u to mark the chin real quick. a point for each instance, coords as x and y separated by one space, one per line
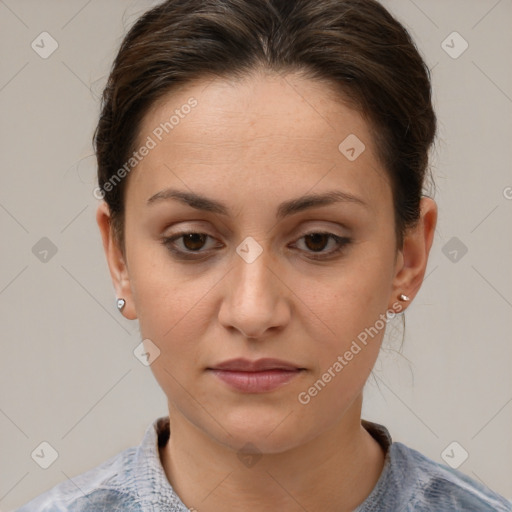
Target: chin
261 433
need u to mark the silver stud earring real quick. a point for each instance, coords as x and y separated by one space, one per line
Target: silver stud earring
120 304
403 298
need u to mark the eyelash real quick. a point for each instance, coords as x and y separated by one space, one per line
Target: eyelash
168 242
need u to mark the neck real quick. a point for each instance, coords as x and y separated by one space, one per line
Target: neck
335 471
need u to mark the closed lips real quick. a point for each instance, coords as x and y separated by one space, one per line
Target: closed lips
260 365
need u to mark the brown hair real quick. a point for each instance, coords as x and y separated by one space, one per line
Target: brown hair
354 44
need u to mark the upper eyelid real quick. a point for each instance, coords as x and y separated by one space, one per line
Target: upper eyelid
311 231
302 230
340 239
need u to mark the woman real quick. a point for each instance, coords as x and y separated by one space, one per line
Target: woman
261 165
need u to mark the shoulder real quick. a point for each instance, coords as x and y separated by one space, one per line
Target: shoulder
434 486
100 489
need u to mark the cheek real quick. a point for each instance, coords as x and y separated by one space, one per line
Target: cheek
349 299
172 314
174 309
166 296
347 342
348 327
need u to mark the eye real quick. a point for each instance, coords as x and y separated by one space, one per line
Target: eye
191 243
317 242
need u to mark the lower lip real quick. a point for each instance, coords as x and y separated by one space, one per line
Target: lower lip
256 382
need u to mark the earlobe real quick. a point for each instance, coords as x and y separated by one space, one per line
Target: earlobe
413 258
115 260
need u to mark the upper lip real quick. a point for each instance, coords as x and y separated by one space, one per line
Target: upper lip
245 365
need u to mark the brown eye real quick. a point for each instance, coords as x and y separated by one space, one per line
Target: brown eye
189 244
317 241
319 245
194 241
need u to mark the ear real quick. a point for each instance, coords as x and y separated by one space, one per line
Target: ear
412 259
117 266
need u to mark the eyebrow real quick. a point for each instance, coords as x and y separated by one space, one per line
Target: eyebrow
285 209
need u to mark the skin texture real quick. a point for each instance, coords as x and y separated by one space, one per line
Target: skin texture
252 144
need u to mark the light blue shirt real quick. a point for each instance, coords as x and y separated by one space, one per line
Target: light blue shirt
134 481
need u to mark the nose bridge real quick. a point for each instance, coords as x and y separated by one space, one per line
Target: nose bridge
252 276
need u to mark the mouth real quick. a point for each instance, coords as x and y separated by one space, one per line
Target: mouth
258 376
246 365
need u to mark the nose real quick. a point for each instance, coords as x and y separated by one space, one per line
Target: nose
256 301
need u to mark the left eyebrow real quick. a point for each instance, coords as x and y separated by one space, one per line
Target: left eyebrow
315 200
285 209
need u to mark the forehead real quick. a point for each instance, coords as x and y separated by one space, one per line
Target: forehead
263 130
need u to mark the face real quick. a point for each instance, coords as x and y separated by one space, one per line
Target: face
234 262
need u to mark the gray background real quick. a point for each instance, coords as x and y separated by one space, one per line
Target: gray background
68 375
